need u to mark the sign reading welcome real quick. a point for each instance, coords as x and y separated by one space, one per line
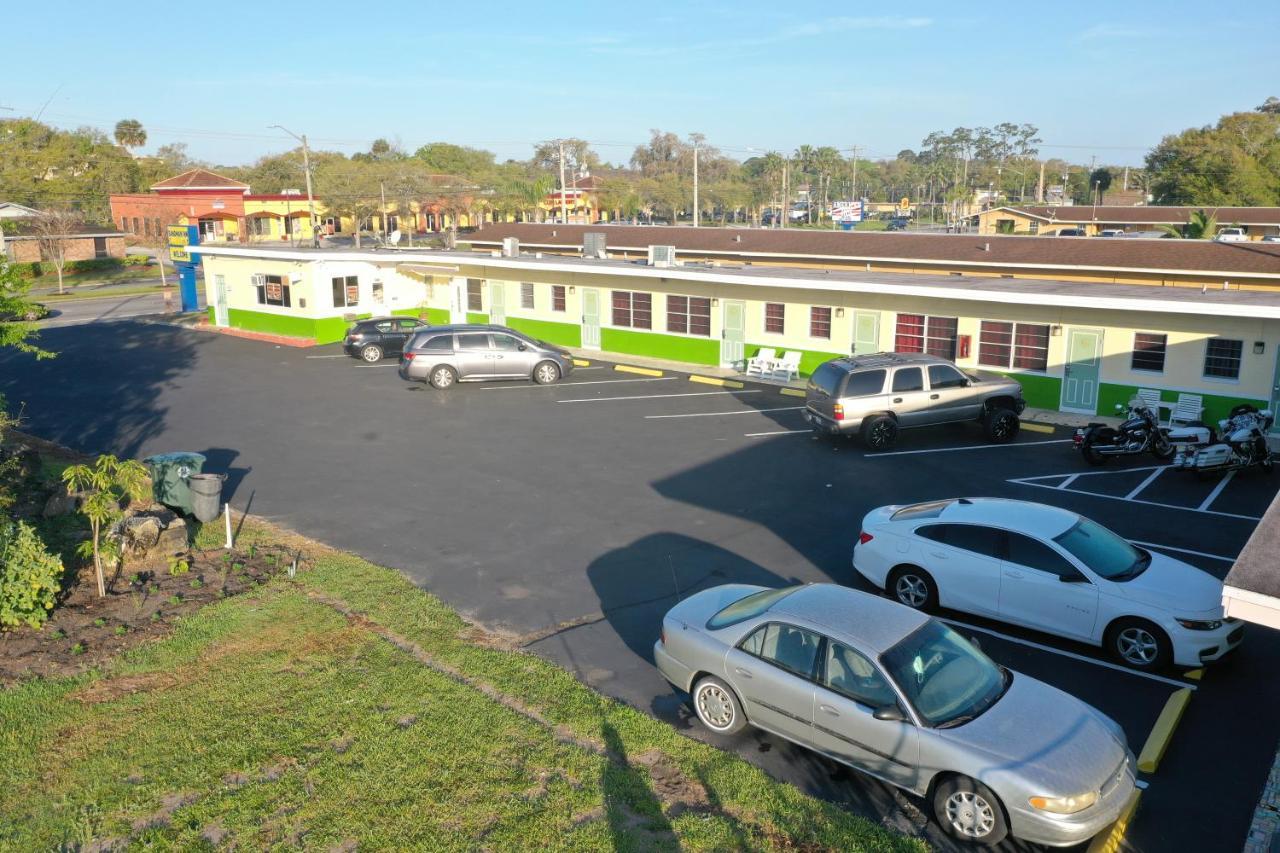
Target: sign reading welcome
179 247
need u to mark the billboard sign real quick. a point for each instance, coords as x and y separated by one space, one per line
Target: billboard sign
179 244
847 211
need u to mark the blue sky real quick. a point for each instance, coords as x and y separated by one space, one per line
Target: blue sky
748 75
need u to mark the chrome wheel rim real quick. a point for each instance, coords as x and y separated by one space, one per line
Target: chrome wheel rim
546 374
371 354
970 815
715 707
881 435
1138 646
912 590
443 378
1002 427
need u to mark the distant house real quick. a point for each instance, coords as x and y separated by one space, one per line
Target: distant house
1258 222
87 242
13 210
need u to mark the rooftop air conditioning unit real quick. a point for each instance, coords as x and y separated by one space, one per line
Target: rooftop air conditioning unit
662 256
510 247
593 246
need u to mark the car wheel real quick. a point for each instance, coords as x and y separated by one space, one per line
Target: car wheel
969 811
1139 644
443 377
717 706
1002 425
372 353
546 373
879 432
912 586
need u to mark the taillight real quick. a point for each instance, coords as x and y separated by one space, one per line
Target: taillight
838 411
864 537
662 636
408 356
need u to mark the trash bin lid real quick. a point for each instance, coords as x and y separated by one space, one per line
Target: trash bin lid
184 462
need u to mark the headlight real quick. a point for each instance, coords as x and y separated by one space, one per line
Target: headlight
1200 624
1064 805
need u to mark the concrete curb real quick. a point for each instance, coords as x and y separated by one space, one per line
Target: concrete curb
791 392
643 371
1162 731
581 362
1111 840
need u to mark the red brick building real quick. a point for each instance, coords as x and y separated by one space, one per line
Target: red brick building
197 196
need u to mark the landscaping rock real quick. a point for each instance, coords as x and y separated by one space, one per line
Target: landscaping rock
139 534
61 503
174 539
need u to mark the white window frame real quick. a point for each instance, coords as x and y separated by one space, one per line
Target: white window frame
1204 364
1013 347
1164 354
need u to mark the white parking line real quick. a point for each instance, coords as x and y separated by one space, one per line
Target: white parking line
718 414
1067 482
966 447
1151 478
1042 647
328 356
576 384
1030 481
652 396
1217 490
1185 551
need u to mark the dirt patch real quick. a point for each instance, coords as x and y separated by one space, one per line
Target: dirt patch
677 791
104 690
162 816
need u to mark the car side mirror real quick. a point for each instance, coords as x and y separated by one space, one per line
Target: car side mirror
521 347
889 714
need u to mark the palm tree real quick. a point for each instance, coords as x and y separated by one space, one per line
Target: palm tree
532 193
130 134
1200 226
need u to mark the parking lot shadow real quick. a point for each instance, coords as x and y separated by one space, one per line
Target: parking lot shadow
84 398
638 584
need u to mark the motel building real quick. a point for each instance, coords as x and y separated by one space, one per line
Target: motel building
1079 347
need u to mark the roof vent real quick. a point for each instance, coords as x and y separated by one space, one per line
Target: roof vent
662 256
737 238
554 233
986 247
594 246
510 247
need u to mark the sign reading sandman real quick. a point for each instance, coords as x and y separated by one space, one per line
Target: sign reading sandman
179 248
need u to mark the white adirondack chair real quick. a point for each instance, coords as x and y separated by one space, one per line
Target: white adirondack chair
787 367
1188 410
761 364
1151 398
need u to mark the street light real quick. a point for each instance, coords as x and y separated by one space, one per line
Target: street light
1097 186
306 165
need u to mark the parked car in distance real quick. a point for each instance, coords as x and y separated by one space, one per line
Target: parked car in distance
1047 569
1231 235
876 396
445 355
1111 232
897 223
1072 232
379 337
1271 238
901 697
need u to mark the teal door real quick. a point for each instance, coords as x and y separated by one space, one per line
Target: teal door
497 302
220 300
866 332
733 335
1080 375
590 318
1275 394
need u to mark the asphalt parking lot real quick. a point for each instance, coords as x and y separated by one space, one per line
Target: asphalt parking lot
572 516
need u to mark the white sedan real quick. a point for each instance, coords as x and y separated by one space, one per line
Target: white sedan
1048 569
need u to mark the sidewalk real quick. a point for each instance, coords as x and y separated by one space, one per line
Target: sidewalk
1030 415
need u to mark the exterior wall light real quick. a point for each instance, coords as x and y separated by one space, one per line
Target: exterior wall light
1055 331
839 312
573 289
715 303
1259 347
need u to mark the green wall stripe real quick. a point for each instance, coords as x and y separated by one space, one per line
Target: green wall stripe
473 317
438 316
658 345
1040 392
564 334
1216 407
809 359
272 324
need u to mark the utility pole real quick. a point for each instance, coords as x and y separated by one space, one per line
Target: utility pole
382 214
1040 186
695 185
853 191
1126 178
564 210
785 212
306 166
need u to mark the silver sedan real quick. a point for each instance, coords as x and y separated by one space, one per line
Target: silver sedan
901 697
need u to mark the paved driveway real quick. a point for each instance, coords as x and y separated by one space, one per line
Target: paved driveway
574 515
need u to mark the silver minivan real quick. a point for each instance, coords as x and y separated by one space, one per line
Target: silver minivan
444 355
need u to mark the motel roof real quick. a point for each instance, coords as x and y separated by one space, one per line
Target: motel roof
1259 304
1158 256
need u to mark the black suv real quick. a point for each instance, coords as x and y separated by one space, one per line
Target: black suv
378 337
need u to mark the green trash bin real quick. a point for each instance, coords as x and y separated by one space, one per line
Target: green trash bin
171 478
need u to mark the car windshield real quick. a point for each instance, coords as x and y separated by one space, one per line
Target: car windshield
1105 553
746 608
945 678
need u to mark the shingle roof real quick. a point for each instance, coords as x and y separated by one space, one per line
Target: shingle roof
934 250
1153 215
199 179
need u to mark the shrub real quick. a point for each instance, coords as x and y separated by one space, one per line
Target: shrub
136 260
93 265
28 576
31 269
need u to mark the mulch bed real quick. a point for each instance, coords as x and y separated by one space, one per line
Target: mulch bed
141 604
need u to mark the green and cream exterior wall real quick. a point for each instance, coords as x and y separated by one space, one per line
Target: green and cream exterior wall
438 291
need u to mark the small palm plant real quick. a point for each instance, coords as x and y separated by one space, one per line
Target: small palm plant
1200 226
106 484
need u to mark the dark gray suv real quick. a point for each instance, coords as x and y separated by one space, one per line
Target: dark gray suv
443 355
875 396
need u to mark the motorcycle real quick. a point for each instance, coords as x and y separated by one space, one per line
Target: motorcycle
1243 443
1140 433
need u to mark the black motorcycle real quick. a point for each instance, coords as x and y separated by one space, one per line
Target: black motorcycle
1140 433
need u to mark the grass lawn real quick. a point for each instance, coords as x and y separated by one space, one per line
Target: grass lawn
346 707
75 295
